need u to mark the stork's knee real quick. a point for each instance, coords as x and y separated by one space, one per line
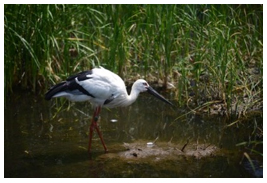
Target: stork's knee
96 118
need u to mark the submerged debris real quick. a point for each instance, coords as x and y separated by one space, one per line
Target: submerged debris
184 146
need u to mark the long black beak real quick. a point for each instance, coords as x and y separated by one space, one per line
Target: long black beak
157 95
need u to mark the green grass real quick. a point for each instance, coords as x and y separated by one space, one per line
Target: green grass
213 54
209 52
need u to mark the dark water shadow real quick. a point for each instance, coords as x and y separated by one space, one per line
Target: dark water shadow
49 139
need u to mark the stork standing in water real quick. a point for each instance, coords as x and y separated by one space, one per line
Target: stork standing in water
100 87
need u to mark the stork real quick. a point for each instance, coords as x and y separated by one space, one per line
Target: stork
102 88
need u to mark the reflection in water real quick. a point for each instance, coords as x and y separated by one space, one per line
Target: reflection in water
47 139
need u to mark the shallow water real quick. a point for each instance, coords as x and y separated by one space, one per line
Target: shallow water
50 139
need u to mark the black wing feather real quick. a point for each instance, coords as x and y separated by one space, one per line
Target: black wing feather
56 89
81 76
70 85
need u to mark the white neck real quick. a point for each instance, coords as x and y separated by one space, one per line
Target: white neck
133 96
129 99
125 99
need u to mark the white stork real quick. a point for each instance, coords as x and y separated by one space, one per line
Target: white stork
100 87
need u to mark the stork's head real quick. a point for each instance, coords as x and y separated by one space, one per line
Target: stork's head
142 86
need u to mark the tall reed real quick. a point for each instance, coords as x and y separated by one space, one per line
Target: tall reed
207 51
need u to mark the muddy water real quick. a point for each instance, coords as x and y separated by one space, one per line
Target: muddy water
50 139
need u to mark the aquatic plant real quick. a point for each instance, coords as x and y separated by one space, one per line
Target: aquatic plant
209 52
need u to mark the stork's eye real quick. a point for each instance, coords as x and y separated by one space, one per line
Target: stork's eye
145 84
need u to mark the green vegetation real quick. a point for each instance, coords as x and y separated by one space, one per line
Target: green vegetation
209 52
212 54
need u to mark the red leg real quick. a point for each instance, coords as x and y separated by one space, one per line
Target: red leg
101 138
91 135
94 125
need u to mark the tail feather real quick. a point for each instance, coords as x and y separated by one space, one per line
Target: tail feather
56 89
